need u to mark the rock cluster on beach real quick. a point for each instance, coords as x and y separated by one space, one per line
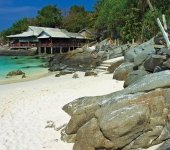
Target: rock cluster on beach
4 51
15 73
136 117
142 60
85 58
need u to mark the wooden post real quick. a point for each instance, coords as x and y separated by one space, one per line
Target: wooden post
45 51
78 44
73 44
108 54
51 46
39 52
8 42
60 49
132 41
51 50
118 42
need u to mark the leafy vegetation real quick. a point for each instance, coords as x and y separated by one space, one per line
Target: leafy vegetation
128 19
76 20
18 27
49 16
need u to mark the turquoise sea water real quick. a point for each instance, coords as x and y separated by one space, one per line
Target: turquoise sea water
28 64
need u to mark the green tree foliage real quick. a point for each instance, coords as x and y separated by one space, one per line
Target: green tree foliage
131 18
149 25
132 25
167 15
49 16
18 27
76 20
110 13
3 35
91 19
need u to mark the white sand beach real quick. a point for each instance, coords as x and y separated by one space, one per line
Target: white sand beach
27 106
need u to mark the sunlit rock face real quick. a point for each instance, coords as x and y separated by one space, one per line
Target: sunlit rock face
133 118
147 57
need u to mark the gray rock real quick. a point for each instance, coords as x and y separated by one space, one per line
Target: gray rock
134 118
150 82
167 63
139 59
75 76
123 70
65 71
15 73
91 73
164 146
130 55
134 76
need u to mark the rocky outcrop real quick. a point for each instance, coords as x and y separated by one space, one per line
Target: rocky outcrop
134 76
19 52
15 73
146 58
85 58
123 70
74 60
134 59
164 146
91 73
134 118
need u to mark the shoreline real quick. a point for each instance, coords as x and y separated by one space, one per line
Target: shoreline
26 107
18 78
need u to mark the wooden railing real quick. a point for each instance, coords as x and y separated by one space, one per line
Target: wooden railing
19 45
24 45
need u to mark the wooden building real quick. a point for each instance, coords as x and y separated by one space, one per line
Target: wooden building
47 40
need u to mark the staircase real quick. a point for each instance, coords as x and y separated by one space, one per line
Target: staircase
103 67
106 64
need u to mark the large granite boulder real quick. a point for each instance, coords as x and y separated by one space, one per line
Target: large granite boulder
136 117
123 70
143 49
133 76
164 146
146 57
153 61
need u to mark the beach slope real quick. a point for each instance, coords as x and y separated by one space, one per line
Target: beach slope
28 107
